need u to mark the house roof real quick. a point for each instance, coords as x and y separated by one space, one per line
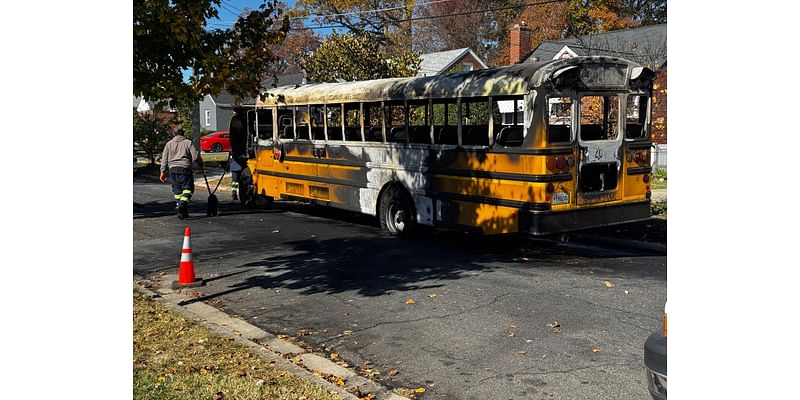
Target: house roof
436 63
646 45
226 99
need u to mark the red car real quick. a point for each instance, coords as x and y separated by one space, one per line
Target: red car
216 142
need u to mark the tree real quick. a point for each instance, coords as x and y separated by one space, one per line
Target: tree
300 42
386 22
150 133
456 31
355 56
170 37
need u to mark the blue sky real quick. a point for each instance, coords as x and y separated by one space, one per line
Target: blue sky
230 9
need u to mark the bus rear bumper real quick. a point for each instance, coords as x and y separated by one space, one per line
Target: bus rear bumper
539 223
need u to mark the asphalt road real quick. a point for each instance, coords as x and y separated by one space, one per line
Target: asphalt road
483 320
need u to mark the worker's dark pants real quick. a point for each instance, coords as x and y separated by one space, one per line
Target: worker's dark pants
182 185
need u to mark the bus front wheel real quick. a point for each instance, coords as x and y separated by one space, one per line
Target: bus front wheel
396 212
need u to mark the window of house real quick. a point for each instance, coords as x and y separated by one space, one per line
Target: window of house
559 119
352 122
467 67
599 117
418 127
373 122
445 121
333 113
208 117
636 112
475 121
396 122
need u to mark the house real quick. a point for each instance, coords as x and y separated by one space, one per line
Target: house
646 45
216 111
450 61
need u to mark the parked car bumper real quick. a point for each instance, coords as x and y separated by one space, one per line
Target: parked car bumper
655 362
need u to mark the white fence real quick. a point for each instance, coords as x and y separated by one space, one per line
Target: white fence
659 156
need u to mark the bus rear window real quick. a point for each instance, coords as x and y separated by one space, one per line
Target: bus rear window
636 111
507 115
599 117
559 119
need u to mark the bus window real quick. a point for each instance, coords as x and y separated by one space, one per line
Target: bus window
301 117
352 122
599 117
418 122
636 112
559 120
445 122
373 122
475 121
317 122
264 123
285 127
334 114
507 116
396 123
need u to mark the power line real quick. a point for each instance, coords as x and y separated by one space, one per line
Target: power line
370 11
443 15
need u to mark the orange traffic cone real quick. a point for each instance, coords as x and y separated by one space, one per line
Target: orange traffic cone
186 276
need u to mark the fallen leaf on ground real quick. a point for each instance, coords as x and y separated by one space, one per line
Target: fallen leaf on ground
555 326
410 301
522 352
303 332
275 231
512 332
608 284
348 332
420 390
596 350
392 372
432 295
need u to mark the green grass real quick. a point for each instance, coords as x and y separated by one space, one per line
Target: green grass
175 358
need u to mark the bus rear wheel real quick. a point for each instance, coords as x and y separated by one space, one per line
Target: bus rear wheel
396 214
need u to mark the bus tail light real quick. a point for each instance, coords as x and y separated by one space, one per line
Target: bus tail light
637 157
646 178
561 163
571 161
550 188
551 164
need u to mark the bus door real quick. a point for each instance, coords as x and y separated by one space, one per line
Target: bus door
599 141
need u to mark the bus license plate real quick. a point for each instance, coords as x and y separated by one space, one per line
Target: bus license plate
560 198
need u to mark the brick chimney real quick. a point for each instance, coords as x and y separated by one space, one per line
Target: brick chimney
519 42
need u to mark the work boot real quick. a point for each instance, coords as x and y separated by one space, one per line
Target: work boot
234 197
183 210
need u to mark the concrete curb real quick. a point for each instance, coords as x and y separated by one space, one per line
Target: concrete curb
267 345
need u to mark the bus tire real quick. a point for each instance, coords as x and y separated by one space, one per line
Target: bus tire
396 213
262 201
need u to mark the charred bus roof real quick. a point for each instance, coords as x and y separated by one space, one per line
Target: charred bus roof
518 79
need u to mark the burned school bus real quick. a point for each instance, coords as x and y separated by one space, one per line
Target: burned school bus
540 148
